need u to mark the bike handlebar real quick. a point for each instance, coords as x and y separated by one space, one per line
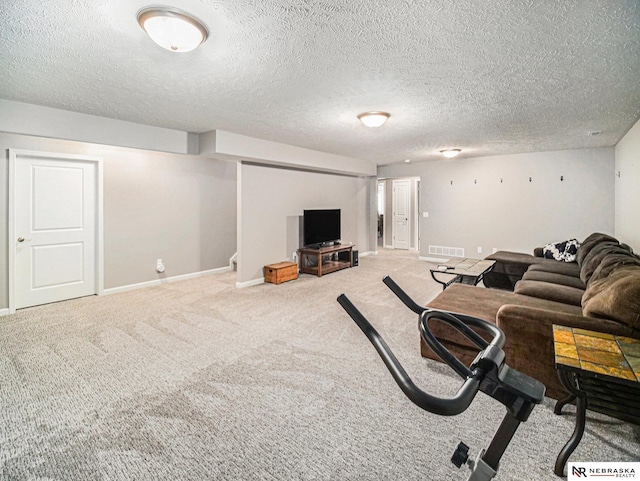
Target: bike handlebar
443 406
490 358
466 320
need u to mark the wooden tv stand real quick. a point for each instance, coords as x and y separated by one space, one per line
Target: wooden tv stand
323 260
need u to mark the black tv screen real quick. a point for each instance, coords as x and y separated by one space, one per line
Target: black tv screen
321 226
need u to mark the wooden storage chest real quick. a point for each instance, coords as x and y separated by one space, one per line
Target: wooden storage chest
280 272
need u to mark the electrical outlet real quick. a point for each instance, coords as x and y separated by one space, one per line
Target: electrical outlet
479 250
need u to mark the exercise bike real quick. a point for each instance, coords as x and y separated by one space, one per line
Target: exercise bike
488 373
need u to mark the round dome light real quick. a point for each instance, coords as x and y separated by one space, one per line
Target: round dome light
450 153
172 29
374 119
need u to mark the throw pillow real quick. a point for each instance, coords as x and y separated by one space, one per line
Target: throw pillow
565 251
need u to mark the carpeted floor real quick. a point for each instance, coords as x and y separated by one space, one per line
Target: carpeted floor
198 380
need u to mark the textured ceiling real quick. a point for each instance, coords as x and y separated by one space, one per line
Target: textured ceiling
487 76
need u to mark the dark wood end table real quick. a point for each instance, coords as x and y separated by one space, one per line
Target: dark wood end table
602 373
465 271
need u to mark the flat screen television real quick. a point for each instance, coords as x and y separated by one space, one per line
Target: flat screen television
321 227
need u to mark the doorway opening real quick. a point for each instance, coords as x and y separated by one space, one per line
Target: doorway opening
398 201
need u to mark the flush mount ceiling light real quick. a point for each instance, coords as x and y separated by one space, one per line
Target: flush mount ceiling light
172 28
450 153
373 119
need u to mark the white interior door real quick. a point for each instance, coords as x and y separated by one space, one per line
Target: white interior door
55 228
401 214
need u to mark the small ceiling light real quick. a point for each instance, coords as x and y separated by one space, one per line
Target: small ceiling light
407 161
373 119
172 29
450 153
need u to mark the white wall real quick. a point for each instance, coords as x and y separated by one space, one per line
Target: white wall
469 206
180 208
271 202
627 179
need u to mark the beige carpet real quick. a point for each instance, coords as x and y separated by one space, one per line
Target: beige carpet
199 380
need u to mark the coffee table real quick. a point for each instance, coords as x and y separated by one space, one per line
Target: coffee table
602 373
465 271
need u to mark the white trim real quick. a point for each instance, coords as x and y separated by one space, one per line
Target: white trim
4 312
13 155
433 259
11 231
388 247
251 283
166 280
99 228
233 258
368 253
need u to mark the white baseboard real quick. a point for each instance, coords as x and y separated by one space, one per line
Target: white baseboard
433 259
368 253
157 282
253 282
388 247
4 312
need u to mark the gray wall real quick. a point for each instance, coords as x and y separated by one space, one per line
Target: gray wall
628 188
176 207
515 214
272 200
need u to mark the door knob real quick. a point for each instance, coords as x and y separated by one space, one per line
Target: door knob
20 239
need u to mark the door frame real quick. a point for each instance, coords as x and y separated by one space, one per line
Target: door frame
99 234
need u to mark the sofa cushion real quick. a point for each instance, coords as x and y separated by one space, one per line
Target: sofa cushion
554 278
551 292
590 242
612 262
616 297
564 268
595 256
565 251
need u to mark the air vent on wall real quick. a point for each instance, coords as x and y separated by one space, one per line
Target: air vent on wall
446 251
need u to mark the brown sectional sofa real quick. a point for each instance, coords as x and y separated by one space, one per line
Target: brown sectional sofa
599 292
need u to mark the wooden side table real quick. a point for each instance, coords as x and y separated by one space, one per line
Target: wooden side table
601 373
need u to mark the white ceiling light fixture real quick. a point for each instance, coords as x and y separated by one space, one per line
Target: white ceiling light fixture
374 118
450 153
172 28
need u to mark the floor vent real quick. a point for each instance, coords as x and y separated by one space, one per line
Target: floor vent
446 251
